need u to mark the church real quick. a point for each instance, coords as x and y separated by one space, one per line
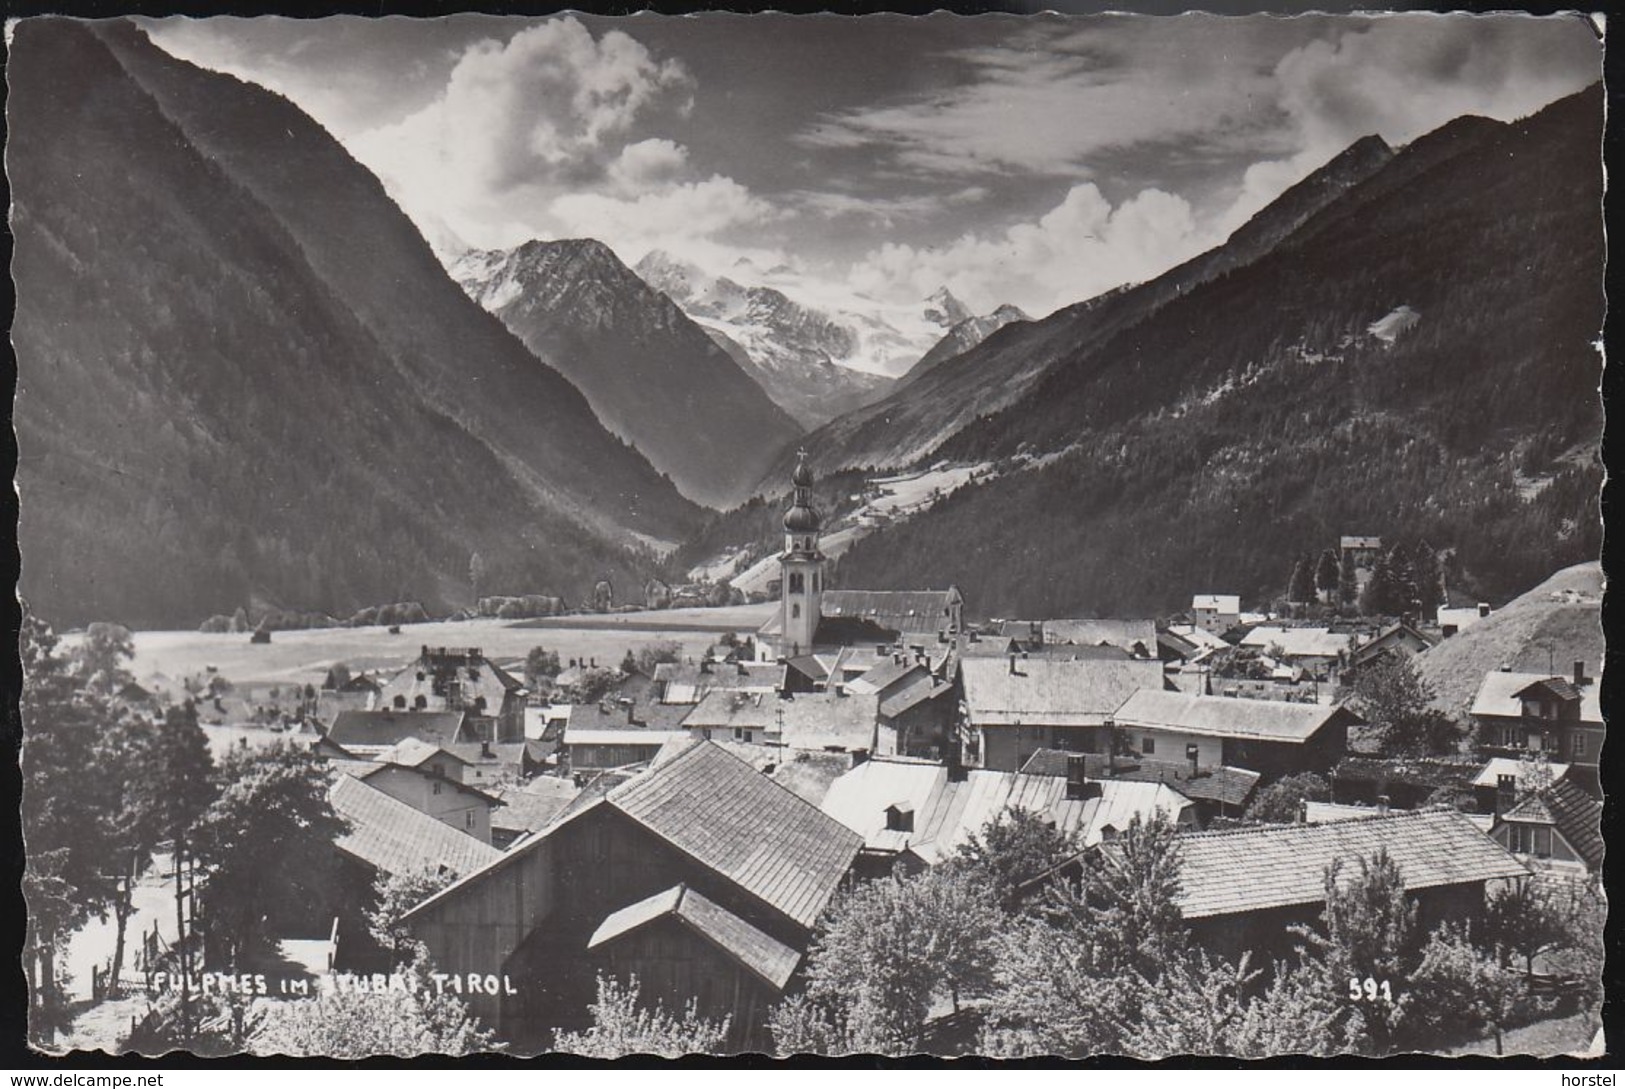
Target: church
812 618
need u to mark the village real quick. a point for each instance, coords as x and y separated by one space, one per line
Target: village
692 832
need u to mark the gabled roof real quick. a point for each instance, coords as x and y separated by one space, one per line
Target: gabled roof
413 751
809 720
908 612
1044 691
1126 634
1226 716
392 837
1219 603
915 692
385 728
947 812
379 767
534 806
1226 785
768 959
1575 814
1505 765
727 816
1498 696
1300 642
1282 865
1556 687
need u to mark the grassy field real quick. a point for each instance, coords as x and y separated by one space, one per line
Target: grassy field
1547 628
305 656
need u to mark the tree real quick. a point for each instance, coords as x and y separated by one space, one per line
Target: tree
100 657
621 1027
541 667
1279 803
267 843
1301 586
1462 992
1013 849
1396 703
1348 585
594 684
73 856
395 895
653 654
1430 593
1069 980
1368 931
1328 575
1525 918
352 1024
889 950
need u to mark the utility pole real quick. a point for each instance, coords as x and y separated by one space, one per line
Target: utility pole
180 947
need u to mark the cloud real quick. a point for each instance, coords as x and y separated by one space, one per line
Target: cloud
1400 77
550 109
647 162
1078 249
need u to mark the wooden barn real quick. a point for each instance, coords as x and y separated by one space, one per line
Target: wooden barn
701 875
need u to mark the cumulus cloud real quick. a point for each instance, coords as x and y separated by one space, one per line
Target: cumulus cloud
1400 77
1080 248
518 121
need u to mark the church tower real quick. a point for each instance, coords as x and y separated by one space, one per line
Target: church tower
801 567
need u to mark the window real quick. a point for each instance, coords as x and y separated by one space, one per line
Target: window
795 611
749 735
1579 744
468 818
1148 745
420 703
400 703
798 582
437 769
437 788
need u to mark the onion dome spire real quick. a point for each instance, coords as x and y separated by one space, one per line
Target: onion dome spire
801 517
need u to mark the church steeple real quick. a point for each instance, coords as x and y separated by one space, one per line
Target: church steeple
801 567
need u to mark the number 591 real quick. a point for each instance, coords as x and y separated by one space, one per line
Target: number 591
1369 990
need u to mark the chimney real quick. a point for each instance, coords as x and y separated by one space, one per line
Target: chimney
1580 671
485 749
1012 664
1303 810
1506 792
705 665
1193 754
1483 608
631 713
594 664
860 756
1382 803
1076 778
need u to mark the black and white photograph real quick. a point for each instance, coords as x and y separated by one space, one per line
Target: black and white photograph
1019 536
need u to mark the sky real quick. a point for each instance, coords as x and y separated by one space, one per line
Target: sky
1034 160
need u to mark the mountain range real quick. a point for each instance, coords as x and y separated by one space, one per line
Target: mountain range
1403 344
650 373
231 392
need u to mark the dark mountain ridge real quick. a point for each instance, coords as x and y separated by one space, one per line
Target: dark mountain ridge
1261 414
230 391
925 411
650 373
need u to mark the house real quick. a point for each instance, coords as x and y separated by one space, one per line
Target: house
1317 650
1241 890
1215 791
1137 637
1398 640
1537 712
1557 829
1015 706
1452 621
921 813
1361 551
431 779
1216 613
587 751
369 733
1503 780
451 680
811 616
1272 737
388 838
837 721
607 886
522 810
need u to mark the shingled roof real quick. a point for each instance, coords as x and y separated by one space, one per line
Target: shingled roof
907 612
393 838
1284 865
1226 716
1127 634
764 956
1047 692
1498 695
376 729
1576 815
